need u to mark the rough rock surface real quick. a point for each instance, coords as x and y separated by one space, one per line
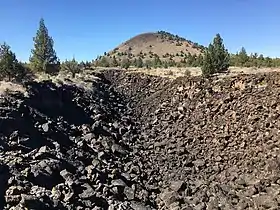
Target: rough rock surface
66 148
140 142
211 144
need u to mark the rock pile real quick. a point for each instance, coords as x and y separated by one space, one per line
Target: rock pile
140 142
66 148
215 144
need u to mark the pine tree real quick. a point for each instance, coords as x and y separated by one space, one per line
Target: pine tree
43 53
139 63
208 67
125 63
216 58
157 62
115 62
9 65
242 57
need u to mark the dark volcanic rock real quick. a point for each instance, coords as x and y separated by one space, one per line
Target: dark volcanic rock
64 147
141 142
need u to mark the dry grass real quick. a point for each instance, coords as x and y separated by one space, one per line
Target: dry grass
196 71
9 87
85 78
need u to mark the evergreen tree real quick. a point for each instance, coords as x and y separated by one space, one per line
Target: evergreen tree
148 64
208 67
115 62
43 52
9 65
218 57
157 62
139 63
243 58
104 62
125 63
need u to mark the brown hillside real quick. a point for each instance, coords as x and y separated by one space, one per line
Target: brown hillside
148 45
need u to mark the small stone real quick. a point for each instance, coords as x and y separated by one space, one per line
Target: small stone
177 186
118 182
139 206
45 127
87 192
129 193
169 197
118 149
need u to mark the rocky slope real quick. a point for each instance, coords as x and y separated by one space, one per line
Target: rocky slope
215 144
141 142
66 148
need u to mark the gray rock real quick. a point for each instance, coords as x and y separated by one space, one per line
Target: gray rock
88 191
45 127
118 149
129 193
139 206
169 197
176 186
118 182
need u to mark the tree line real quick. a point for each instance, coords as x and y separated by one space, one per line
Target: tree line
43 58
214 58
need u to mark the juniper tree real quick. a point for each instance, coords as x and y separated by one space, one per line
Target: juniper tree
242 57
43 53
139 63
216 58
71 66
115 62
125 63
9 65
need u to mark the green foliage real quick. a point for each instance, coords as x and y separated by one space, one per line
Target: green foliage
242 59
125 63
114 62
157 62
43 52
216 58
148 64
208 67
139 63
71 66
103 62
9 66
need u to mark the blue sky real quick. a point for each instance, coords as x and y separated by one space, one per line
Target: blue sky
85 28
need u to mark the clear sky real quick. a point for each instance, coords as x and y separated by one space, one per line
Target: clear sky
85 29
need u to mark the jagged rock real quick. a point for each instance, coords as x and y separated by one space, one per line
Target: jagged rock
129 193
125 139
176 186
118 182
169 197
139 206
87 191
45 127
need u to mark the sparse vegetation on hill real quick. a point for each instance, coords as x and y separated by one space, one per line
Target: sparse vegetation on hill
150 46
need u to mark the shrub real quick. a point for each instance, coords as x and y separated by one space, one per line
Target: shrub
187 73
71 66
125 63
9 66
